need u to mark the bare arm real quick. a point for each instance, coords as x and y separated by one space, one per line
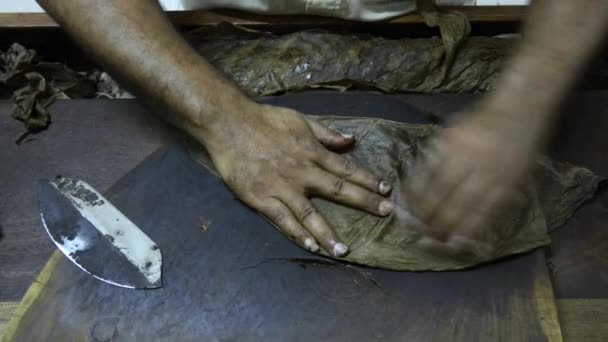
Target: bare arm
558 40
271 157
136 43
474 169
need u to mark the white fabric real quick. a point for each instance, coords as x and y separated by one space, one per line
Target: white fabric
365 10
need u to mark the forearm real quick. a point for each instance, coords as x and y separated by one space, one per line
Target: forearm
558 39
135 41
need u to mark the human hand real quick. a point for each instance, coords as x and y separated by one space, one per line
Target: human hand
274 159
468 174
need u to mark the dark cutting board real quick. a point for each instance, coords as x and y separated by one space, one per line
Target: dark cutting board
228 275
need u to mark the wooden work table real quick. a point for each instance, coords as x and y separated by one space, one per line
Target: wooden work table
199 17
102 145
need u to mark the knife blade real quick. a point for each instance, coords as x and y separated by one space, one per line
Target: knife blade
96 236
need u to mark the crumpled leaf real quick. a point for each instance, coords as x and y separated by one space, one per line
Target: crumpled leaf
16 60
554 191
266 64
107 87
454 29
35 85
30 103
71 84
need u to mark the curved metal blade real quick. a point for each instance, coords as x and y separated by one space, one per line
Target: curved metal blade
96 236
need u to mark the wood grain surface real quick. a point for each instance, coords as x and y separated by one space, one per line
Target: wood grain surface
98 141
580 319
96 145
584 319
241 280
579 252
102 145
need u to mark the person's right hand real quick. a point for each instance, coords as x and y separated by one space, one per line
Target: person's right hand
274 159
472 172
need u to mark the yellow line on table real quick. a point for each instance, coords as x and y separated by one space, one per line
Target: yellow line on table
7 310
583 319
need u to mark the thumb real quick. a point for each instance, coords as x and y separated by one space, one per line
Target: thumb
328 137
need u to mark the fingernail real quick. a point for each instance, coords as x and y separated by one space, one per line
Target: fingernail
346 135
384 187
340 249
385 208
311 245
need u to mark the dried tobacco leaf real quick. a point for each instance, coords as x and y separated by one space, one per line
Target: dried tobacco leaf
554 191
265 64
35 85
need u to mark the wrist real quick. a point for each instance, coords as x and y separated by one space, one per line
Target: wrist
511 112
214 120
514 119
530 88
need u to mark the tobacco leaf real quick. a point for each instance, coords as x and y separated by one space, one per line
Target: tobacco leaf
34 85
263 63
553 190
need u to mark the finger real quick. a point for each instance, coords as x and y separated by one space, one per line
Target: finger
458 204
462 245
496 200
279 214
446 176
472 233
316 225
433 246
326 185
427 160
330 138
419 177
345 168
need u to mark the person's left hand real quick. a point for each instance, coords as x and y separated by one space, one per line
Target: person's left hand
469 173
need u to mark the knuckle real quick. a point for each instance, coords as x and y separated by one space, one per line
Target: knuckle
293 163
374 202
279 215
315 152
348 166
296 162
305 212
313 145
246 195
299 236
258 188
371 181
338 186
